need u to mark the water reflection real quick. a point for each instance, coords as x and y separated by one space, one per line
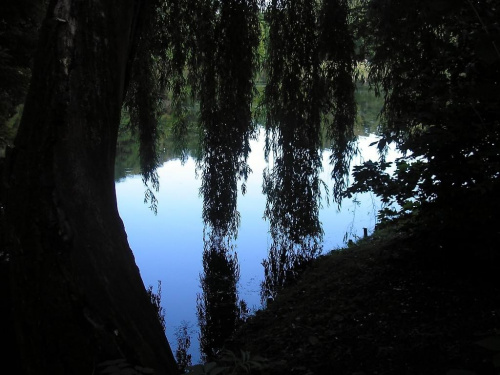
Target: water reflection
227 43
217 305
309 92
169 246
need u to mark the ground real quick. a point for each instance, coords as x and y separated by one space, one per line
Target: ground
384 306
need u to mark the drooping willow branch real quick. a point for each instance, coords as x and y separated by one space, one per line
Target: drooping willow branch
310 68
148 80
222 69
226 42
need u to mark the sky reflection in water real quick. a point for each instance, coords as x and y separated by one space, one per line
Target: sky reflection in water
169 246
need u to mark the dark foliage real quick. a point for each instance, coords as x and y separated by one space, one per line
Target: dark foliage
309 65
19 24
226 47
155 299
437 63
182 357
218 312
382 308
145 92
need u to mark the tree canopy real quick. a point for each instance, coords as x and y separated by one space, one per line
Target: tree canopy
437 64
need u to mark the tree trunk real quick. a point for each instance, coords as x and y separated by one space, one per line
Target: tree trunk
77 294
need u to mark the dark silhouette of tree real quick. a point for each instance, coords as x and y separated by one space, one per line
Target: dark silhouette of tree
76 292
223 73
437 65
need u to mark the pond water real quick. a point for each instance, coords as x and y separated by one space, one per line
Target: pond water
169 246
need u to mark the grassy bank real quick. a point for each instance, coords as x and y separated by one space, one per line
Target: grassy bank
384 306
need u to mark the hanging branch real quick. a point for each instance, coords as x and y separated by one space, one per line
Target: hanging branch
309 86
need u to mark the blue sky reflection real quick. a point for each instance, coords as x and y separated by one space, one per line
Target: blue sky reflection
168 247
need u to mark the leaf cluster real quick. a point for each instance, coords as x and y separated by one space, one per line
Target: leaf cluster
226 47
437 65
309 67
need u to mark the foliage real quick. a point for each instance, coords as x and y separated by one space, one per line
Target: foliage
182 357
439 78
222 68
401 188
217 306
230 364
144 93
210 50
155 299
226 47
178 45
19 24
309 66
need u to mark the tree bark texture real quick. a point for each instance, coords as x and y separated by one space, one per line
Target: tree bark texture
77 293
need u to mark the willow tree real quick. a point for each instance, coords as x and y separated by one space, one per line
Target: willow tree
222 68
77 292
309 65
78 298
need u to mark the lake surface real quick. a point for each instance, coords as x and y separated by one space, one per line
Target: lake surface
169 246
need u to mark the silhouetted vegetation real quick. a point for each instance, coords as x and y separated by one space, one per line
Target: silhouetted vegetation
434 63
384 306
182 357
217 305
439 79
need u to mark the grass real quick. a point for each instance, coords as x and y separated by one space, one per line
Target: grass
384 306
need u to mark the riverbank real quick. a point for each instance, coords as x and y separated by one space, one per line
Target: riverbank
383 306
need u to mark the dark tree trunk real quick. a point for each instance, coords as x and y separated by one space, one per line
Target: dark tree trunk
78 297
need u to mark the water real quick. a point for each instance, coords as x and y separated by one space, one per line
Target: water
168 247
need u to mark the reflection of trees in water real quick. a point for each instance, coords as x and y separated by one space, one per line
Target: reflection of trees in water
368 110
285 262
218 312
293 197
227 42
183 336
309 90
310 84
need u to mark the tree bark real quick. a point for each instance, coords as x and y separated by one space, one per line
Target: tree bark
77 293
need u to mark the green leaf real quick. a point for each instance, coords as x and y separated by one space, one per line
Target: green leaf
491 343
